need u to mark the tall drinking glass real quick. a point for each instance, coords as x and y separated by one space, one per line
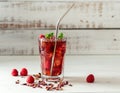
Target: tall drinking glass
52 53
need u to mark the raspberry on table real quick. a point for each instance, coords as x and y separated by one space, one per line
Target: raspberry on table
24 72
14 72
90 78
30 79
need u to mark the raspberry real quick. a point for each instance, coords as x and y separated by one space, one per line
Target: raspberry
23 72
14 72
30 79
90 78
41 36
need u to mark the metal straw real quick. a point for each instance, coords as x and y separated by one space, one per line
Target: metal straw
56 33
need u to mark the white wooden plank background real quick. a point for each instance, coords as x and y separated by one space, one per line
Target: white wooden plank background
92 27
36 15
24 42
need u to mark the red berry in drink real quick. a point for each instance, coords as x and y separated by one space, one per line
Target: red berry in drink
90 78
14 72
42 36
24 72
30 79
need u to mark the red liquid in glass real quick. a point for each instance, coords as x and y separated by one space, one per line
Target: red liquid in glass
46 48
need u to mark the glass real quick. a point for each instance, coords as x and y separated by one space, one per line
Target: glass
52 71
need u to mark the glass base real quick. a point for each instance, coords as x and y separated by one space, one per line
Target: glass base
52 78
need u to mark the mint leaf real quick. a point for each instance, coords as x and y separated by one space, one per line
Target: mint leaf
47 36
51 34
60 35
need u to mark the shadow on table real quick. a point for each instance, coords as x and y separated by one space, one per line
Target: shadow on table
98 80
75 79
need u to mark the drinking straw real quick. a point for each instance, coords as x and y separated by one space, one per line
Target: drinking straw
56 33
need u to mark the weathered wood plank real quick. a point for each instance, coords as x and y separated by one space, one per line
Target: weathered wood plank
94 25
24 42
16 42
42 15
53 0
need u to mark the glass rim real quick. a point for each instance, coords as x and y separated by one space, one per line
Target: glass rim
45 39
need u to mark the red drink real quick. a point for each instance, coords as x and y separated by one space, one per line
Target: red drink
46 50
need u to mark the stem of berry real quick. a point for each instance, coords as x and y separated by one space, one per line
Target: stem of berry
56 33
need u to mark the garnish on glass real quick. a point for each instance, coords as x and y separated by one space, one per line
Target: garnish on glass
60 36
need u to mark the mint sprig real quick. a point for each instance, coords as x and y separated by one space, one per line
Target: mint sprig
60 35
50 35
47 36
